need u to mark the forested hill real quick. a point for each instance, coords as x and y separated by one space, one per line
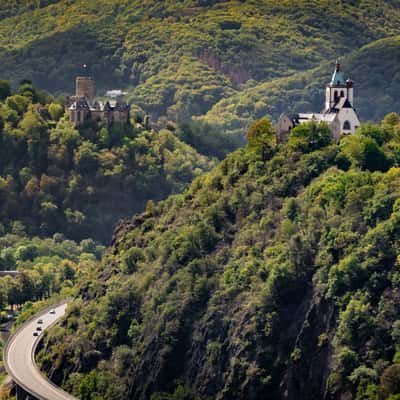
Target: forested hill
179 59
276 274
55 178
375 67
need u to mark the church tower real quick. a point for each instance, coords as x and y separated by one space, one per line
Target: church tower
338 88
339 99
339 112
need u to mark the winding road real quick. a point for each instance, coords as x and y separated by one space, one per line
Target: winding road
19 357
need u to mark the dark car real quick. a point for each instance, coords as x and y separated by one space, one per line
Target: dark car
36 333
39 328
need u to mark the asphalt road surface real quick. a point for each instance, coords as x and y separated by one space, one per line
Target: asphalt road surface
19 357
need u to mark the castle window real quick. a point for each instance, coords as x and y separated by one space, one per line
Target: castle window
78 118
346 126
341 93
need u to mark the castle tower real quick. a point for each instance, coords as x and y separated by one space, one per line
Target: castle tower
85 87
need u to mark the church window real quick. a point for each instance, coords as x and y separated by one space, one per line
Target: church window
346 125
78 118
336 96
341 93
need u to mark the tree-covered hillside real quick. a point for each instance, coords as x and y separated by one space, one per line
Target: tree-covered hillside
375 68
274 276
55 178
178 59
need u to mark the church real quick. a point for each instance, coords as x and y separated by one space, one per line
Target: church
339 112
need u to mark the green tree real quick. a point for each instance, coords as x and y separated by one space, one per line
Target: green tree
261 138
56 111
26 89
86 158
68 270
364 152
392 119
377 132
38 139
131 259
18 103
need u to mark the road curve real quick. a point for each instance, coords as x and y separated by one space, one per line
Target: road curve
19 357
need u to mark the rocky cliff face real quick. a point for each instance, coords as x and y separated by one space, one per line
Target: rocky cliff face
308 374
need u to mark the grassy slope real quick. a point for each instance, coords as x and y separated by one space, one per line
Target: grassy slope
179 59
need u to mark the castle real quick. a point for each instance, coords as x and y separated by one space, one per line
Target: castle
84 106
339 112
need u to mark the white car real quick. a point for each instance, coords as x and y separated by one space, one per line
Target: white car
52 311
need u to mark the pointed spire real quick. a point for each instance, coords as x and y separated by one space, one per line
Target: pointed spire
337 77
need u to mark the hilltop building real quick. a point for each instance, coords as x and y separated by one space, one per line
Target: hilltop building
84 106
339 112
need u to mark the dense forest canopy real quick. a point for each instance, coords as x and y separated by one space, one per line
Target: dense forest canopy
277 273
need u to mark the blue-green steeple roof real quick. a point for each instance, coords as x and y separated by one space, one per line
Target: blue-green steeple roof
337 77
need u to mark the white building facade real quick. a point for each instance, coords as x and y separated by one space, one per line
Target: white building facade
339 112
